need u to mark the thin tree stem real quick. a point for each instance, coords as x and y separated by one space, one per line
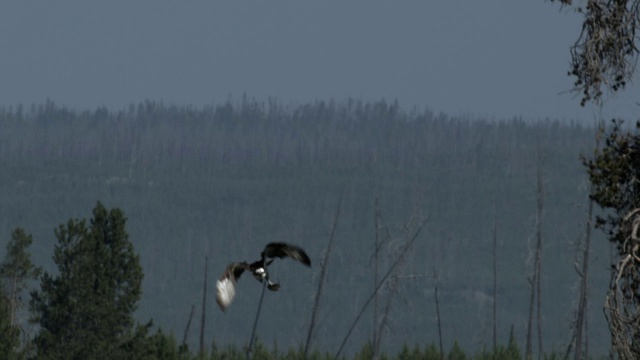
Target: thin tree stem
204 308
581 321
325 260
439 323
375 291
14 303
495 281
539 252
375 273
255 322
186 330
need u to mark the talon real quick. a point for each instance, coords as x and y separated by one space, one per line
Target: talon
273 286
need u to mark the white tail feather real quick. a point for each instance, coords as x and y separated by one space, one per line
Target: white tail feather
225 293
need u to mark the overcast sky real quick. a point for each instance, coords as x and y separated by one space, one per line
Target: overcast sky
489 58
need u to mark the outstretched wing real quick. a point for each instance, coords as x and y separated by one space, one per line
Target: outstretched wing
226 285
281 250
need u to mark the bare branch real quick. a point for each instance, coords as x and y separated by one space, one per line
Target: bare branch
185 336
621 306
605 53
255 322
382 281
323 267
204 308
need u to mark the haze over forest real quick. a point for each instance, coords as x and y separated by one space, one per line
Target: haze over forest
223 180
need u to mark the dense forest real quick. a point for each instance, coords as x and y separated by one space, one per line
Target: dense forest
222 181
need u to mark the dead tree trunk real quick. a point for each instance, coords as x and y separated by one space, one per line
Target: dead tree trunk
255 322
495 282
393 292
384 278
204 308
323 267
185 336
376 250
535 280
435 288
528 347
539 251
581 320
14 300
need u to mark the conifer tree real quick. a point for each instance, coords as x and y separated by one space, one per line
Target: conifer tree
614 172
16 270
9 334
85 310
604 57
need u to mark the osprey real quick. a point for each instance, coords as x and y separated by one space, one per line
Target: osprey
226 284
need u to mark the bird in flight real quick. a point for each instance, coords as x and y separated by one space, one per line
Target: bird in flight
226 283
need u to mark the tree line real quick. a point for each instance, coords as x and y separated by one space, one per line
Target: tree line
236 175
85 310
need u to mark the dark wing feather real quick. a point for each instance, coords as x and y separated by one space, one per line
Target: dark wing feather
277 249
226 285
234 270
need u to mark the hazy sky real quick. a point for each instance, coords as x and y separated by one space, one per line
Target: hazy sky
489 58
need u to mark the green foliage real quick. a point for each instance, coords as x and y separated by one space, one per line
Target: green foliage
510 352
298 354
513 351
605 53
17 269
553 356
139 344
260 352
456 352
232 352
366 352
484 355
432 352
9 334
405 353
614 172
166 347
86 310
416 353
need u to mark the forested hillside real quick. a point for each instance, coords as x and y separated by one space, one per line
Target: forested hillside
222 181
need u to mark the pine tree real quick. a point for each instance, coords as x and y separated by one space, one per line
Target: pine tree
85 311
432 352
16 270
456 352
513 351
9 334
614 171
604 57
